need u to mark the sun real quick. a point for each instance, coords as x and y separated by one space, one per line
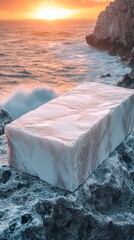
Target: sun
52 13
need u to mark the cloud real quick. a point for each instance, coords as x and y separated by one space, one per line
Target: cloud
18 5
30 5
81 3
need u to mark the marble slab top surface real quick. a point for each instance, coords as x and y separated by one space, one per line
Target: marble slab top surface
68 116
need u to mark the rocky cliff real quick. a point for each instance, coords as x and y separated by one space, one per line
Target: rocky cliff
114 30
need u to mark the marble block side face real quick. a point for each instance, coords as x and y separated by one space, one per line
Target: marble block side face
65 140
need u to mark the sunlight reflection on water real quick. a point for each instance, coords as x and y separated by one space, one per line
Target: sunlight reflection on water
51 54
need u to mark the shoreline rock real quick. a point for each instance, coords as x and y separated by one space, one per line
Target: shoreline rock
3 150
5 118
114 30
127 80
101 208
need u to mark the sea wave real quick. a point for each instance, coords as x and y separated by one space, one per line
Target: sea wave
3 54
22 101
20 74
67 43
15 75
64 33
41 33
4 82
53 54
47 33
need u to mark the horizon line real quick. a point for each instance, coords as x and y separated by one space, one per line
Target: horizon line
39 19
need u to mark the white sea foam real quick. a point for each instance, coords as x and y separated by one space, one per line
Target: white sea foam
52 55
22 101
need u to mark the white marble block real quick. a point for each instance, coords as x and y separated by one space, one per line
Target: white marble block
65 140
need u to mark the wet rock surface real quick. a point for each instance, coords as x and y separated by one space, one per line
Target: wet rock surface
105 75
3 150
114 30
127 80
102 208
5 118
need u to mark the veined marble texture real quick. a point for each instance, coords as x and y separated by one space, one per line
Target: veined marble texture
65 140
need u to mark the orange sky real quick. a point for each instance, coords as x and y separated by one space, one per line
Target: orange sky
20 9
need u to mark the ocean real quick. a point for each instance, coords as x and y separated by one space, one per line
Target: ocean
40 60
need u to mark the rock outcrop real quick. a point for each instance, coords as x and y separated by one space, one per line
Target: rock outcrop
114 30
3 150
5 118
127 81
102 208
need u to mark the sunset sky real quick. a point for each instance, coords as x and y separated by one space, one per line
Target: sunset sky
51 9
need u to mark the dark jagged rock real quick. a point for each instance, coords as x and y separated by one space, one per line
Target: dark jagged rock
3 150
105 75
127 81
102 208
114 30
5 118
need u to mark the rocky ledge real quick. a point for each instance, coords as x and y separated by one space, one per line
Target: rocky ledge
114 30
127 80
102 208
5 118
